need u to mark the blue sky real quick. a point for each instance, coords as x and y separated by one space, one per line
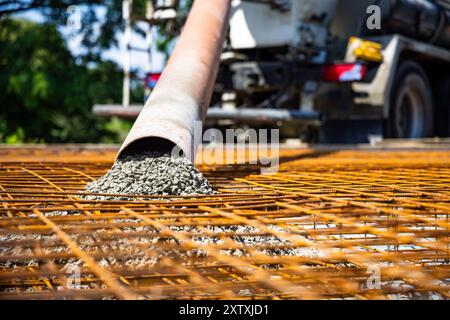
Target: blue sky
140 60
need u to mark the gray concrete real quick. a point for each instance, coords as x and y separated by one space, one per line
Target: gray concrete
150 174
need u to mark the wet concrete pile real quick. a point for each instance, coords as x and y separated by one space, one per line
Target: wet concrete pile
150 173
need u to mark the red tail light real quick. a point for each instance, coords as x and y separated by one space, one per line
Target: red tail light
151 79
347 72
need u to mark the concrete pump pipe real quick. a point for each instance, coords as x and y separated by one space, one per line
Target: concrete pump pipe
183 93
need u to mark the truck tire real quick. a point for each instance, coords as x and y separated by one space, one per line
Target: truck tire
411 110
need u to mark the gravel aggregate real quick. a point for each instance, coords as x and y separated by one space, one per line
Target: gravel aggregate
150 173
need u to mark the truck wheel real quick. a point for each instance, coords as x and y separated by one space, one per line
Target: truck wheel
411 110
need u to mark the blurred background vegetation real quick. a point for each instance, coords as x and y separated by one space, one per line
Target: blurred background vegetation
46 93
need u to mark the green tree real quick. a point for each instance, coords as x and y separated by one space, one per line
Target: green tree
98 32
45 96
56 12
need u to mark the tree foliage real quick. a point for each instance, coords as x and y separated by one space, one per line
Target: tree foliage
56 12
98 31
45 96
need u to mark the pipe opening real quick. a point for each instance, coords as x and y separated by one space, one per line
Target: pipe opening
149 144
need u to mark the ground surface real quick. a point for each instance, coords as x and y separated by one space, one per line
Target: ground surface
328 224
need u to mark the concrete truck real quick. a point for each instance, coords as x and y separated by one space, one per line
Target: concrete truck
337 70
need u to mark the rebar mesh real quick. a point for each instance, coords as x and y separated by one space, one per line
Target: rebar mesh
344 224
